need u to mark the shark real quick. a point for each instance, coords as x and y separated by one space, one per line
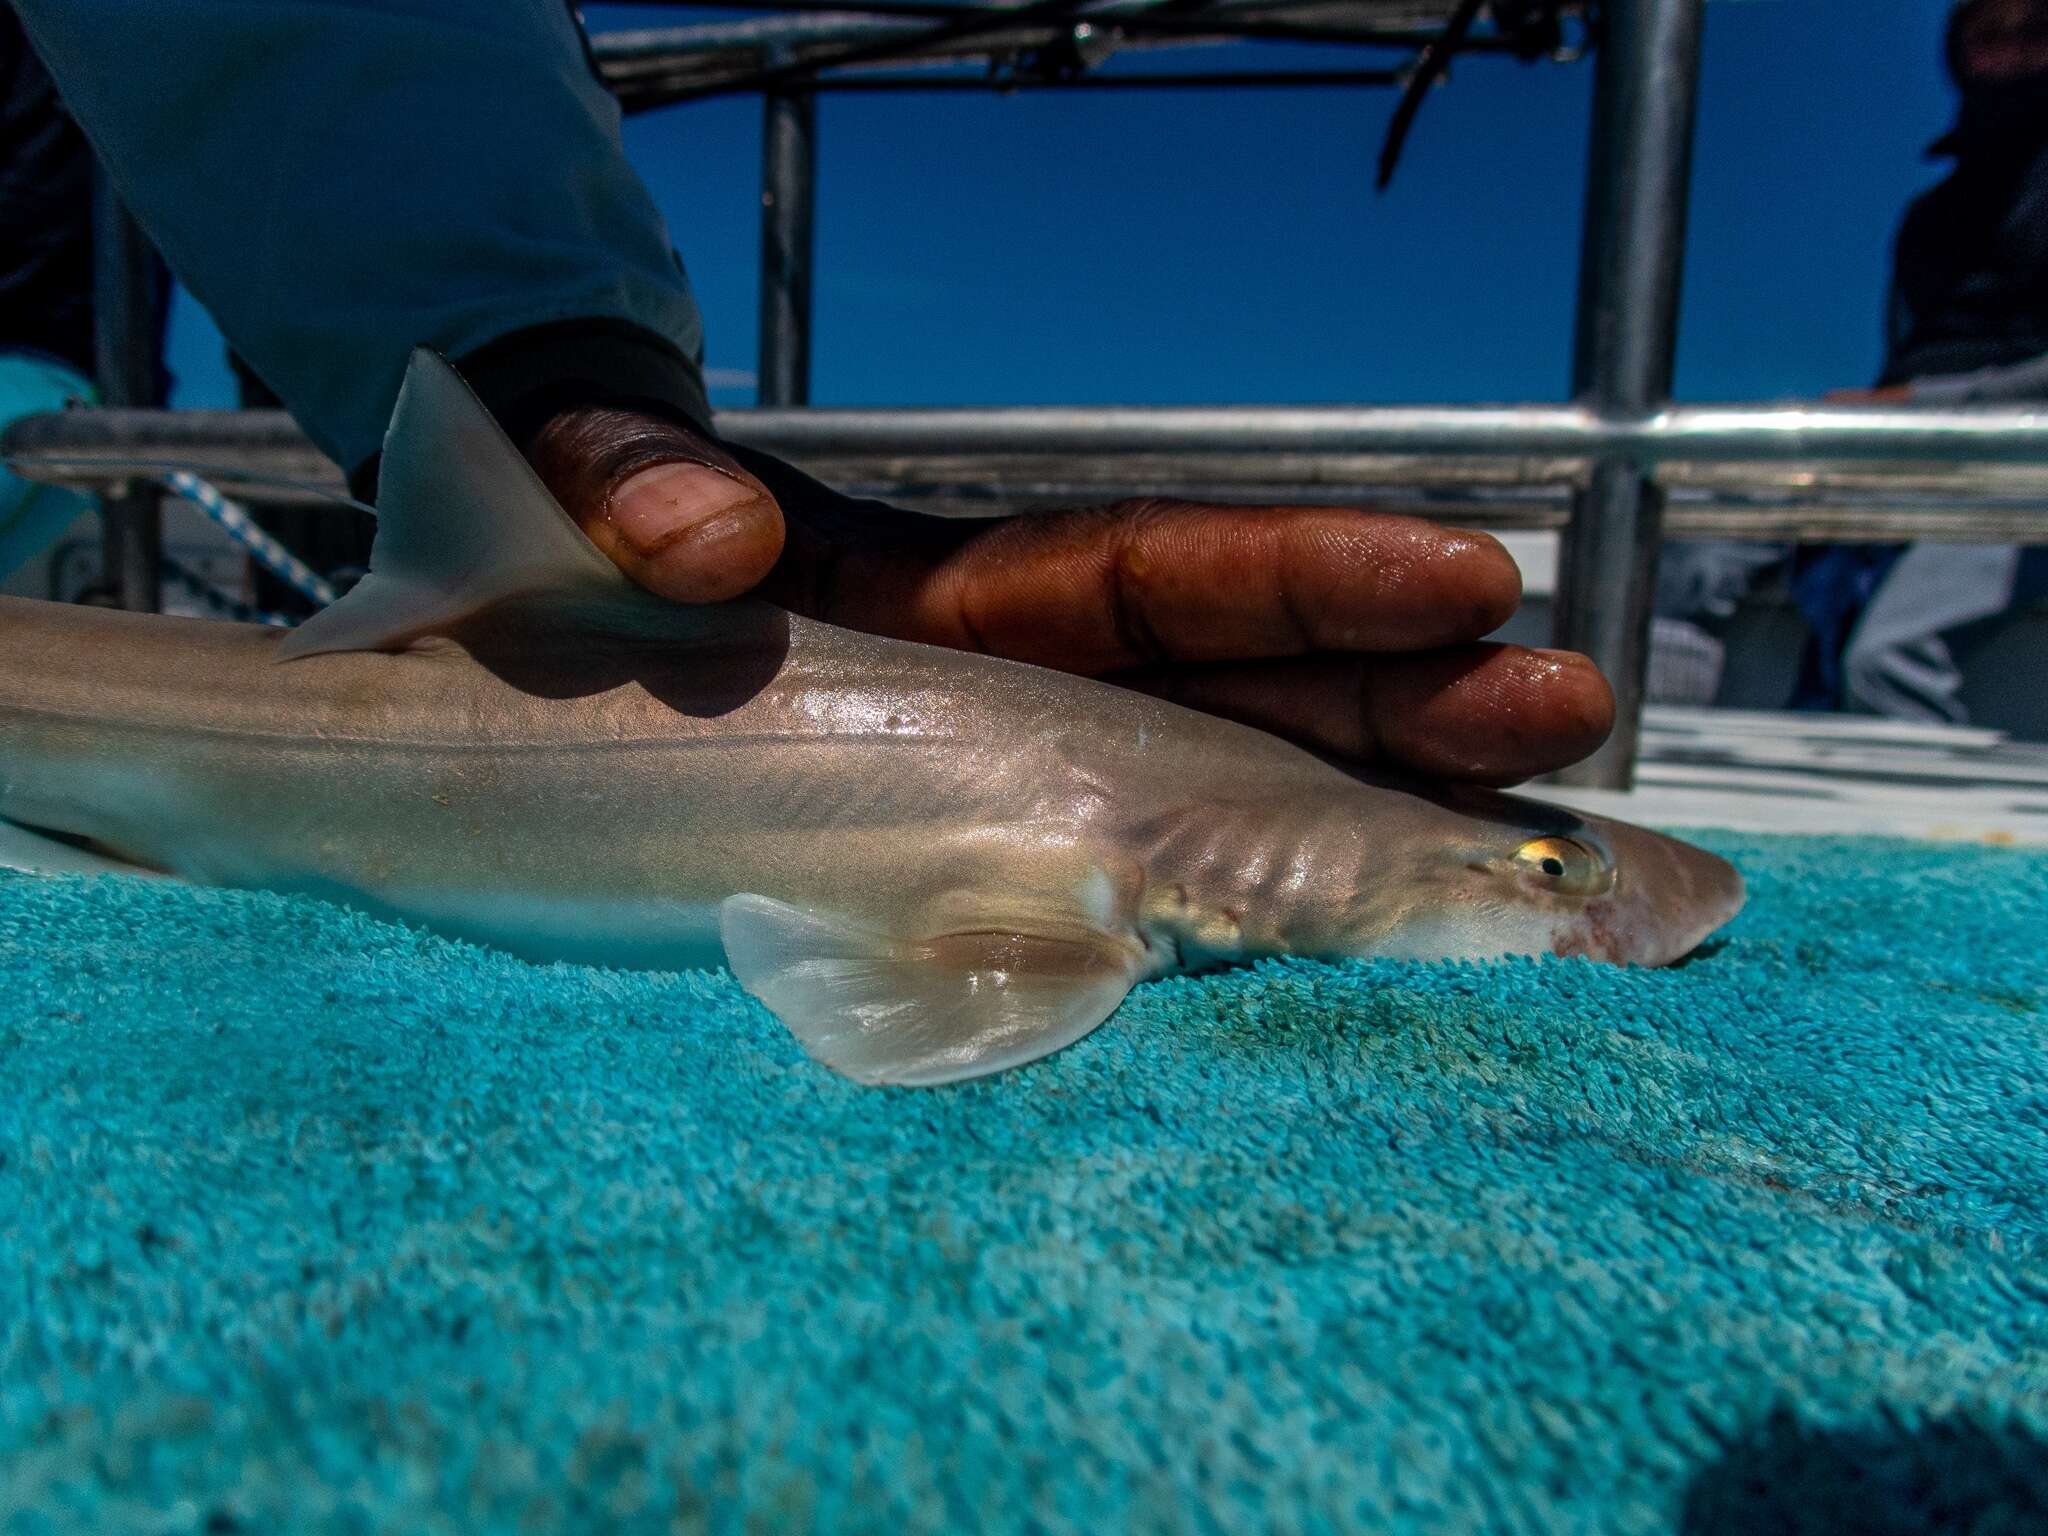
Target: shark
929 864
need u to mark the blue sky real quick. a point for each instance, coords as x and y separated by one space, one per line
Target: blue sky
1187 247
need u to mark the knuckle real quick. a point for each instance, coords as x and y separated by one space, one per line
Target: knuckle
583 454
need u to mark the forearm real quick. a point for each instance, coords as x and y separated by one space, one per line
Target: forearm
341 180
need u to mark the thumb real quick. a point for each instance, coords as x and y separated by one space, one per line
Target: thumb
671 507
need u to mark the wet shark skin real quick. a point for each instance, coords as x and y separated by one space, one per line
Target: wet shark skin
590 788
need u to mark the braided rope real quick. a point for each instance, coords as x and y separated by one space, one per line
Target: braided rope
234 520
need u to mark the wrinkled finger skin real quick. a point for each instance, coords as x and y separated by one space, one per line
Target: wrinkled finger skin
1354 632
669 506
1485 713
1147 582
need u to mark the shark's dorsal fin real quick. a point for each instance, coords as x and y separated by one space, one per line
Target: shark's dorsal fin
463 523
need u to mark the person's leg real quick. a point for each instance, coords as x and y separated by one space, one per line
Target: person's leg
1703 581
1897 662
1700 584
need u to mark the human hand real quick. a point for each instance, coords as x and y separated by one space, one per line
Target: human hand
1355 633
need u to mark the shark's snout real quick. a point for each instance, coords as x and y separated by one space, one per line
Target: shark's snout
1669 896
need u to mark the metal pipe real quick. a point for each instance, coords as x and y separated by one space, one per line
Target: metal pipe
1701 434
1631 261
126 338
649 68
1755 472
789 131
788 72
1320 79
624 54
1766 433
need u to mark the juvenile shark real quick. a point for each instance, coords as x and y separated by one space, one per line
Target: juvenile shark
929 864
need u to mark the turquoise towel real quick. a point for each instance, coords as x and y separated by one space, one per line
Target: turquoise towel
33 515
309 1222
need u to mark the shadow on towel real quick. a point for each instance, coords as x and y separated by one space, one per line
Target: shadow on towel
1959 1473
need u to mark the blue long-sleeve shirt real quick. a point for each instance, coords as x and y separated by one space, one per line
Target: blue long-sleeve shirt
339 181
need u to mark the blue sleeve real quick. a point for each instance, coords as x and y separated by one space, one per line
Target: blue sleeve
338 181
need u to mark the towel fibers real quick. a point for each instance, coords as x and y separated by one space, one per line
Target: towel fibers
314 1223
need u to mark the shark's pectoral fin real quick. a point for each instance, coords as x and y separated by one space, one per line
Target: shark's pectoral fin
883 1008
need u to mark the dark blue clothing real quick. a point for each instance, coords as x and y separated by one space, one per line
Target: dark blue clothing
45 212
343 181
1970 266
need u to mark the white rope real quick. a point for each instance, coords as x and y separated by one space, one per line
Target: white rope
235 521
222 602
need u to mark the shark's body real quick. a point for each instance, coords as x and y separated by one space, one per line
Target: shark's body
930 864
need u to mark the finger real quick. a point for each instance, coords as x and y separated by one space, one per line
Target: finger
1492 714
675 512
1119 586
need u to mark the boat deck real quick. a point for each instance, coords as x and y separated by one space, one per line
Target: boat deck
1838 774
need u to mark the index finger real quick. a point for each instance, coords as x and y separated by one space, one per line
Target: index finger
1092 591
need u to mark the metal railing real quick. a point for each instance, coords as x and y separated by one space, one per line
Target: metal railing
1615 471
1793 471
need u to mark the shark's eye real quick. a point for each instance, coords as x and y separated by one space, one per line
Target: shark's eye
1563 865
